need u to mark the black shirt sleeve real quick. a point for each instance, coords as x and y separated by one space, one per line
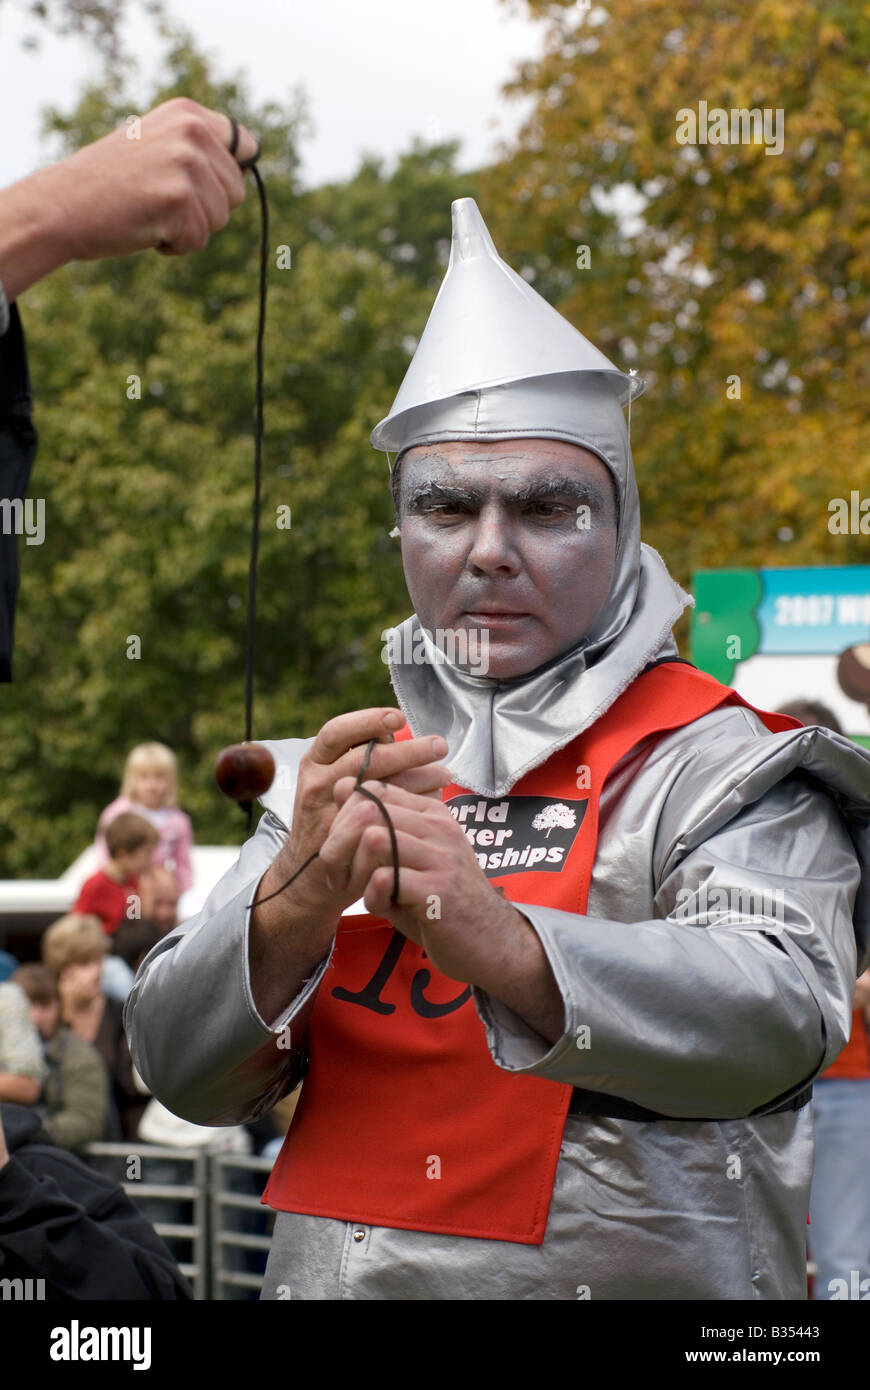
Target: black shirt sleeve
18 440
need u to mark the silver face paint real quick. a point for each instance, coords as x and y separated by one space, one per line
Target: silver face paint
504 554
512 718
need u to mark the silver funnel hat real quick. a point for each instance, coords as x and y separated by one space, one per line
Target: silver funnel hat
496 361
488 327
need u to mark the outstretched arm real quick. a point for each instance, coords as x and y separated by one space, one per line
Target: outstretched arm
169 180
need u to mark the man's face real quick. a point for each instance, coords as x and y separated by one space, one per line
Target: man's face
517 538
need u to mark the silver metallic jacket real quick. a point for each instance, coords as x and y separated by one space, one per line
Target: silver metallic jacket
726 924
692 1011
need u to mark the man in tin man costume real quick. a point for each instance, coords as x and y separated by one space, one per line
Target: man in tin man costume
574 1056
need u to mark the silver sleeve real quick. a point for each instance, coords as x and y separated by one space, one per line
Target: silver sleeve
704 1010
195 1034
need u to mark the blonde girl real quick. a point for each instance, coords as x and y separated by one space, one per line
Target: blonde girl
150 788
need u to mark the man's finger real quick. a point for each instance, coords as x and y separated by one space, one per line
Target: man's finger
415 888
227 170
211 212
348 731
427 781
391 758
223 128
349 858
339 850
356 820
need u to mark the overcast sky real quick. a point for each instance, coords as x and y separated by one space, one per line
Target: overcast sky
377 72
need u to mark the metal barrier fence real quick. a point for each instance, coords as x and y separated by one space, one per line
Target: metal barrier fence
205 1207
238 1255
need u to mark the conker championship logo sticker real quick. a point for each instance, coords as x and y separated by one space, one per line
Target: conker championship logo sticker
519 833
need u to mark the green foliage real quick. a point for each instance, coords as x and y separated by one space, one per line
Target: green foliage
400 216
747 264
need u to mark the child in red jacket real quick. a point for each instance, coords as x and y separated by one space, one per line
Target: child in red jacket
112 893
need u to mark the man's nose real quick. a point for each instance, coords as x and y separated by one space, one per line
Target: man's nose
493 547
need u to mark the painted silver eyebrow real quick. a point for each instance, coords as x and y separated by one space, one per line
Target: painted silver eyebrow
539 490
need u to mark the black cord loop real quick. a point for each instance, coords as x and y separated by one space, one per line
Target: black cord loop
394 844
250 636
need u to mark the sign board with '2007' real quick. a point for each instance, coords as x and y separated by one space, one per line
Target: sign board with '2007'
779 635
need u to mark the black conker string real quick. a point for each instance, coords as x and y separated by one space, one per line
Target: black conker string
258 464
394 844
255 543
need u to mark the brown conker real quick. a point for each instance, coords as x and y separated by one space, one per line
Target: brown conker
244 771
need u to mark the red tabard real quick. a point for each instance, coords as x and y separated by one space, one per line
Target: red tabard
405 1120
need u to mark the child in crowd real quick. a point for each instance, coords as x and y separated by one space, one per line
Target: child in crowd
75 1097
131 841
150 788
73 948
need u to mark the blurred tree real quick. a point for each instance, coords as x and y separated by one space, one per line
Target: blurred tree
402 216
713 267
98 21
143 372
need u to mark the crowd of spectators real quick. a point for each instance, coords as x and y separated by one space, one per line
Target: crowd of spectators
62 1043
66 1076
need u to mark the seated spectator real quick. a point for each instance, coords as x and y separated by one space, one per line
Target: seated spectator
75 1097
130 945
160 894
150 788
22 1065
74 948
63 1222
107 893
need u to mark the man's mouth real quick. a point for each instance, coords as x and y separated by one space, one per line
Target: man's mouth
490 616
